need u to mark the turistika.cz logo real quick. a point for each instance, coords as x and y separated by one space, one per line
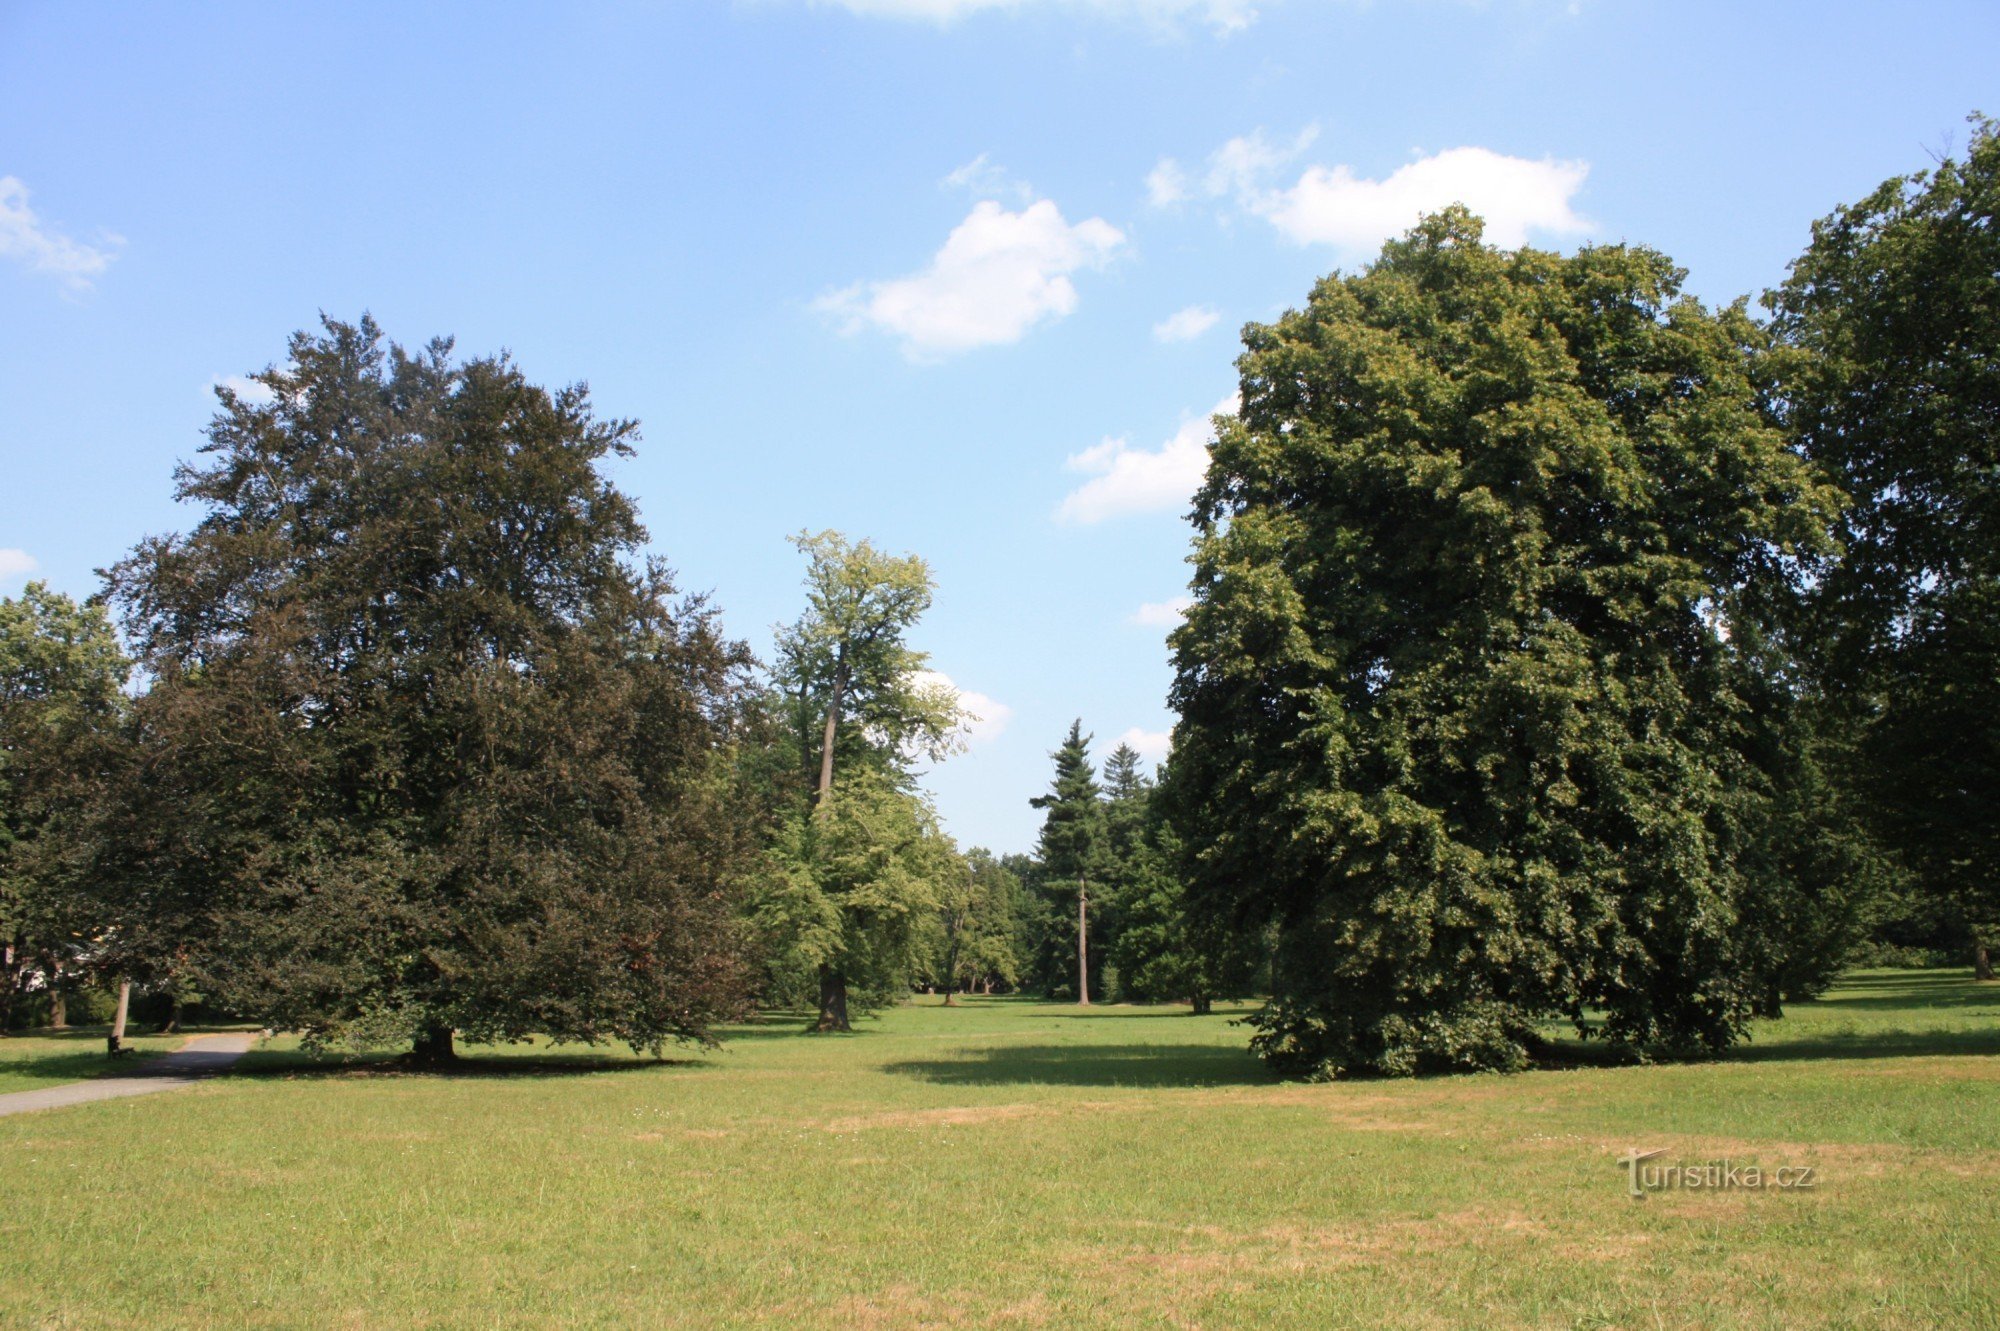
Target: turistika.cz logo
1709 1175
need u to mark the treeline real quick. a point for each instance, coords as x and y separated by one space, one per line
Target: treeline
1562 652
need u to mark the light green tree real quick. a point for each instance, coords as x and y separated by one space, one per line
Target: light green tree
857 867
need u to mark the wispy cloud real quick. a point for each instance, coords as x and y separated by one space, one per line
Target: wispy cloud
987 179
1125 479
41 248
999 274
1162 614
985 717
250 390
16 565
1152 745
1185 325
1224 16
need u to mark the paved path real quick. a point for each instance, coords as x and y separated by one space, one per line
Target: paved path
203 1056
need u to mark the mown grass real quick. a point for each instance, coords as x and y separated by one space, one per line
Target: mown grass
1009 1164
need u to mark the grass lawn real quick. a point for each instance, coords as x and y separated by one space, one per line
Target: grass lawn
1010 1164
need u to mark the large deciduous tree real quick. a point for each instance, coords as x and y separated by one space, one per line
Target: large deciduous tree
1890 323
61 716
444 756
856 865
1461 705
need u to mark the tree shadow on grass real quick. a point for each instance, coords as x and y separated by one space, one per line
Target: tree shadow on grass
1875 1044
1137 1066
1904 990
287 1065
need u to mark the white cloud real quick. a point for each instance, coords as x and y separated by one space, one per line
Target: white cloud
1166 184
998 275
989 180
1151 744
24 237
1222 15
1331 205
1185 325
1242 165
1162 614
250 390
16 565
1516 196
1141 480
985 717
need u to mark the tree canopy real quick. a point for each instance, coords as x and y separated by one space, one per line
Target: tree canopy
442 753
1461 688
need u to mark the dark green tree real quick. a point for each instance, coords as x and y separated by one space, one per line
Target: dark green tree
1071 854
1460 708
443 756
1890 323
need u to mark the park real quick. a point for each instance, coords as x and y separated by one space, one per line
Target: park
569 757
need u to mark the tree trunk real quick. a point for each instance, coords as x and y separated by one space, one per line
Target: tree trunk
1203 1005
58 1009
832 1001
172 1025
433 1047
1082 944
832 728
1982 962
115 1042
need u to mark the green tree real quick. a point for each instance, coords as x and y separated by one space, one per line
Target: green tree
1164 949
973 935
443 757
862 711
1460 708
1071 850
61 708
1890 379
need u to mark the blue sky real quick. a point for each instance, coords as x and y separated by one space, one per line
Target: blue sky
961 276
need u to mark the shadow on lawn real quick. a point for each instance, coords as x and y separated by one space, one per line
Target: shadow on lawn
1162 1065
1875 1044
285 1065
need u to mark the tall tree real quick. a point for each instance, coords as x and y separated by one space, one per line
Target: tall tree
446 758
1460 709
61 705
1891 381
863 710
1071 847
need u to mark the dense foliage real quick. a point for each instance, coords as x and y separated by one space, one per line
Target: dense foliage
1890 377
1464 689
424 751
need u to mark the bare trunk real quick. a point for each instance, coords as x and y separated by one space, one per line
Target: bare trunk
115 1042
1982 962
1082 944
172 1025
947 997
832 729
58 1009
1203 1005
832 1001
433 1047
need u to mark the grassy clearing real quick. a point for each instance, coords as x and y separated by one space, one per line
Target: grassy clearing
1009 1164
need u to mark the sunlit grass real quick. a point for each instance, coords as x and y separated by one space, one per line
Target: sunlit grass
1012 1164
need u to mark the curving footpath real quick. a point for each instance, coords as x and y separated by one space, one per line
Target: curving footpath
202 1056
